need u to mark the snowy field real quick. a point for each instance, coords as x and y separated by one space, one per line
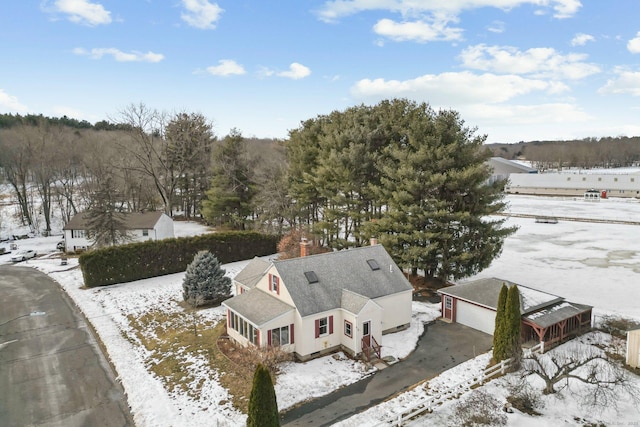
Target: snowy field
590 263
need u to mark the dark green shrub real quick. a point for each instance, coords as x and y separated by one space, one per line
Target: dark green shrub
135 261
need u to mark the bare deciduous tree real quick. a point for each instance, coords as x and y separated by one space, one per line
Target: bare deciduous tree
605 380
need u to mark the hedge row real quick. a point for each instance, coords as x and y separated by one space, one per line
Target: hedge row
135 261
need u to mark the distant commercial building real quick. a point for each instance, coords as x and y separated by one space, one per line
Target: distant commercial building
503 168
575 184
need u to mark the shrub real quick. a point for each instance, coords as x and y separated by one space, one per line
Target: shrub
479 409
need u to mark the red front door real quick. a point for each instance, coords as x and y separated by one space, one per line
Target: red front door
447 308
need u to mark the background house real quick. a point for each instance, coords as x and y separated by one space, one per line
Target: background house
140 226
546 318
313 305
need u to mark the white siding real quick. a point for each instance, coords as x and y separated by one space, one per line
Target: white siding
163 228
396 310
74 243
475 317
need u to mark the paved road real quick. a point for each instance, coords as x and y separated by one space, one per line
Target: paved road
441 347
52 371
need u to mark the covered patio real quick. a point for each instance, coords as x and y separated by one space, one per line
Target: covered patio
555 324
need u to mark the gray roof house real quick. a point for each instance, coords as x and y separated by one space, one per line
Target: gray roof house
140 226
546 318
316 304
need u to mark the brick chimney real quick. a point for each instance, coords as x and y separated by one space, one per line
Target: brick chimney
373 241
305 245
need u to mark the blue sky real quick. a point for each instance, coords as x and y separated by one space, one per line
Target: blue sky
517 70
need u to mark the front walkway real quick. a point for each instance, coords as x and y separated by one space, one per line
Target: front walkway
441 347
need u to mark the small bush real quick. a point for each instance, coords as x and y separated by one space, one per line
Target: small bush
618 326
479 409
525 398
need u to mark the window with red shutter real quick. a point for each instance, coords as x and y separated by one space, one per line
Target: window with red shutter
292 335
317 328
330 325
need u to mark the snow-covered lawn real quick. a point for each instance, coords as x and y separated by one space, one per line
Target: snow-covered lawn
591 263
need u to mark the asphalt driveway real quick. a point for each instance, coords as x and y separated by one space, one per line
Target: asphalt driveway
52 371
441 347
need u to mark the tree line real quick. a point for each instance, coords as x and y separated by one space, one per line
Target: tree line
585 153
399 171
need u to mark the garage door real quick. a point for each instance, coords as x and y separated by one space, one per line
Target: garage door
475 317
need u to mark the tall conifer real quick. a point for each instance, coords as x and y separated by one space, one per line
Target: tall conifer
513 322
499 341
263 406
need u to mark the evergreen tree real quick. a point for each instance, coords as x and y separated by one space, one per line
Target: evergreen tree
499 333
205 280
440 207
416 179
106 221
229 200
263 406
513 323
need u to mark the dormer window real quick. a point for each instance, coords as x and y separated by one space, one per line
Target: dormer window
373 264
311 276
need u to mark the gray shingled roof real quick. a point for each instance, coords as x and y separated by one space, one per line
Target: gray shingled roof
132 220
257 306
551 315
353 302
485 292
252 273
347 269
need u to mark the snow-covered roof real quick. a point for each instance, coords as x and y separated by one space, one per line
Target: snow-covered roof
485 292
551 315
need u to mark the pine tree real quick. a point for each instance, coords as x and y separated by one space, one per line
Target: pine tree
106 223
263 406
513 323
499 333
229 200
205 280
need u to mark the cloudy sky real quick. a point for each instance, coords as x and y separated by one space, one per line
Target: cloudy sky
518 70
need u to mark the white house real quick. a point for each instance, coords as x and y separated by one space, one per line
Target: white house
546 318
140 226
313 305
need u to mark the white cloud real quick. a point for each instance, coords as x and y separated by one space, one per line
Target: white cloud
83 12
419 31
627 82
634 44
335 9
496 27
11 102
581 39
296 72
201 14
227 67
538 62
118 55
455 88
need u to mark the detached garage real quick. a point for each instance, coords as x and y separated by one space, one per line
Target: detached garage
545 318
